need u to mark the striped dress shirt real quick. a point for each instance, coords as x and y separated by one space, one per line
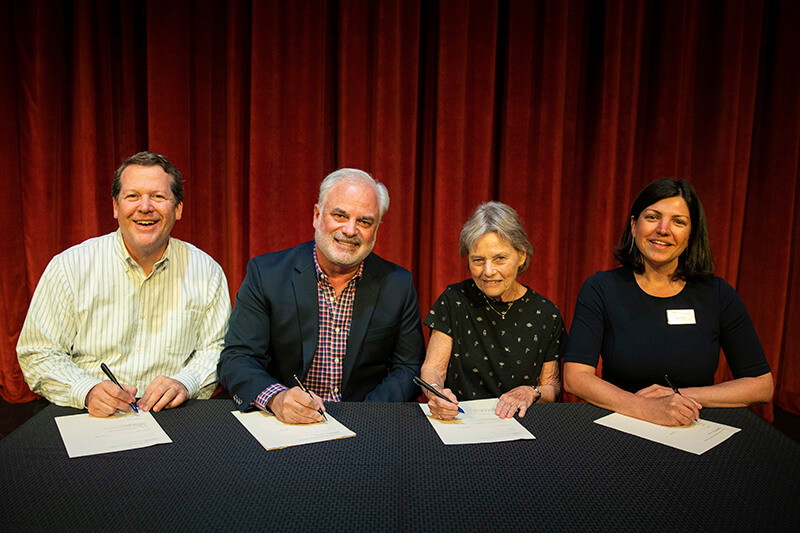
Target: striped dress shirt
95 304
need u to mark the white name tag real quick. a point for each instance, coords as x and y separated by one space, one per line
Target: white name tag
679 317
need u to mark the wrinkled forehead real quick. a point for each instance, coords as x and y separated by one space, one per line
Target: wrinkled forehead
354 198
491 243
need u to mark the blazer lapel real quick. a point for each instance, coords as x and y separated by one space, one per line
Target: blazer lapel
304 283
363 308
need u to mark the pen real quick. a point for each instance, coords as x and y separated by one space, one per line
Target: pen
424 385
674 388
304 389
108 373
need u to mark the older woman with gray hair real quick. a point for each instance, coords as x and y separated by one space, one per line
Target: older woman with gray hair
491 336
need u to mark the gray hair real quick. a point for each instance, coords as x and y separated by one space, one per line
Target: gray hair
353 175
496 217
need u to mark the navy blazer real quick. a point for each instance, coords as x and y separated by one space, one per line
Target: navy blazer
274 329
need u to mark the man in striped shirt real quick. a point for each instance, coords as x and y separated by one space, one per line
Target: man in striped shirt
152 307
330 312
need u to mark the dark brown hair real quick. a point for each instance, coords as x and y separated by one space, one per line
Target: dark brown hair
697 261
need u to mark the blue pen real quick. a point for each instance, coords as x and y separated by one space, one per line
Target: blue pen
108 373
424 385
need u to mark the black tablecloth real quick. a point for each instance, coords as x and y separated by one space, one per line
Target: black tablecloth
397 475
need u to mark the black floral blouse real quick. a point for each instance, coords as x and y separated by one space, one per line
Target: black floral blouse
497 346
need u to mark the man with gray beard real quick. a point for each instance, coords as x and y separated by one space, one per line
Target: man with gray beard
342 320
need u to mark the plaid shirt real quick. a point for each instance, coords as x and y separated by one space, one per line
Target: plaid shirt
325 375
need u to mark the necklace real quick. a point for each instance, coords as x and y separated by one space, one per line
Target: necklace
502 314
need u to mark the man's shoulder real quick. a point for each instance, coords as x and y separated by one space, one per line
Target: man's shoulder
88 249
106 240
378 266
297 256
192 253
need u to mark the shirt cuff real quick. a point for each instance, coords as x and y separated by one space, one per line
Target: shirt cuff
266 395
79 391
188 380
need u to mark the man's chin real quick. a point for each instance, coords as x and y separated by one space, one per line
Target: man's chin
341 255
347 260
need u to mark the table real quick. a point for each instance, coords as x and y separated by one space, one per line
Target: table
396 475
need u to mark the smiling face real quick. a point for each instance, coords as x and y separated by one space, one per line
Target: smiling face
146 212
345 227
662 233
494 264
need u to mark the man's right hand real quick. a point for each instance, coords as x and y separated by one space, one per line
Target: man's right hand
293 406
105 399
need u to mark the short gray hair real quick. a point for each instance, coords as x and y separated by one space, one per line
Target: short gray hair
496 217
353 175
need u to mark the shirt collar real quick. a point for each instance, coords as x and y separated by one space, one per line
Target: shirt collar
323 276
129 262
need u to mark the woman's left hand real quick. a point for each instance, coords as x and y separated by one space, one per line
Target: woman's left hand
655 391
517 399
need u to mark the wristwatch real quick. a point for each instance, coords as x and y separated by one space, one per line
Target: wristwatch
538 392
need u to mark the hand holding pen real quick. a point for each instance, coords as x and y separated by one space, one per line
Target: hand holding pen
676 391
108 397
666 406
672 385
304 389
446 409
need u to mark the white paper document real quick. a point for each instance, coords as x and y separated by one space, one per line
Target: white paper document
478 424
696 438
274 434
88 435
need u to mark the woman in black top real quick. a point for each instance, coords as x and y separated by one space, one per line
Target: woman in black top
660 319
490 335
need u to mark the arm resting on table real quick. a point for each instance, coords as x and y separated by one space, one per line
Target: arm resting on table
671 410
739 392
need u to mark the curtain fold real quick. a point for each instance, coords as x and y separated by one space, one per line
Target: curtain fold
13 274
377 72
562 109
769 273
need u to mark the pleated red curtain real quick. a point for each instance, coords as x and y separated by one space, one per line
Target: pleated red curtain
563 109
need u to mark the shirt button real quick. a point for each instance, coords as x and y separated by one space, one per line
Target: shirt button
336 330
336 390
333 299
336 360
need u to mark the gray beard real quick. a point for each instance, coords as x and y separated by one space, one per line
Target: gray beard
326 245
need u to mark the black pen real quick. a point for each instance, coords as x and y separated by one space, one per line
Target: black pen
108 373
424 385
304 389
674 388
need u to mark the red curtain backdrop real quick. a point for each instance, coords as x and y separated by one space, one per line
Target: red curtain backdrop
563 109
